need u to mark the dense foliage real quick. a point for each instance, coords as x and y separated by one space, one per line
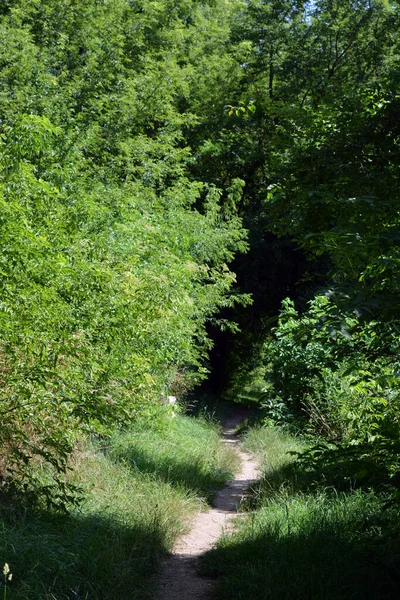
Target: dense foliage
113 259
190 186
344 383
138 139
311 126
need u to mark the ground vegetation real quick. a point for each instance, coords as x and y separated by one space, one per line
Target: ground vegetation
194 188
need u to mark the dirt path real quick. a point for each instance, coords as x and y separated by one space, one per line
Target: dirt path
179 579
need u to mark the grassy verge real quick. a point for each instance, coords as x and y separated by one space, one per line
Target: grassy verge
138 497
272 446
189 455
302 544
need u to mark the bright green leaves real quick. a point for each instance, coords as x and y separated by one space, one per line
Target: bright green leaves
113 257
28 138
341 374
242 109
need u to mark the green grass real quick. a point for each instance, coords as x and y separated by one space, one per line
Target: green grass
110 547
189 455
272 447
302 545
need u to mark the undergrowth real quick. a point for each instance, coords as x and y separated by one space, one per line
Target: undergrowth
300 542
131 514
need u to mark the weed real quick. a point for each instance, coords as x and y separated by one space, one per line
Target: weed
7 578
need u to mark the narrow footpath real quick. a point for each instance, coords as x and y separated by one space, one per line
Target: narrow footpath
179 579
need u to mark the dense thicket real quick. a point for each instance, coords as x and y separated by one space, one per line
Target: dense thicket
112 258
311 128
317 112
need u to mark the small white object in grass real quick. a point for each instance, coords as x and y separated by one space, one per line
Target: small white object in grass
172 400
6 573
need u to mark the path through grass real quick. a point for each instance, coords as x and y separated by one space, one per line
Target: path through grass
139 494
303 544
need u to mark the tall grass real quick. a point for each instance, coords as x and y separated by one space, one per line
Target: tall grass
110 547
303 545
188 455
272 447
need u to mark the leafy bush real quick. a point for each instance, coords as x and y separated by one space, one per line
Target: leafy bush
340 376
113 259
338 372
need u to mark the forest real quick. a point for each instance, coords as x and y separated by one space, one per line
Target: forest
200 200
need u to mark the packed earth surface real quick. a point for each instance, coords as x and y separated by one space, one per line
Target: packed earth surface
179 576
